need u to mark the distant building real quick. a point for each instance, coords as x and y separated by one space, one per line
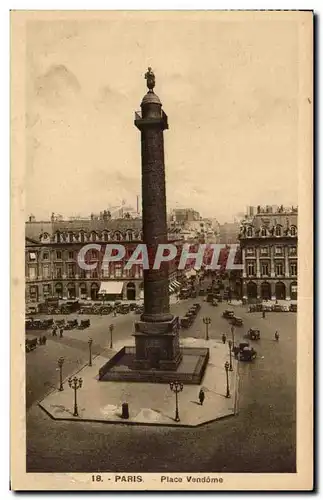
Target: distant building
268 240
182 215
229 233
52 270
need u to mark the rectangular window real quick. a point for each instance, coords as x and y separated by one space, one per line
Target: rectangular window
279 269
292 250
251 269
105 271
71 255
32 273
71 271
32 256
118 271
250 251
263 251
265 269
59 272
279 250
45 256
82 273
46 290
293 269
94 274
59 255
45 272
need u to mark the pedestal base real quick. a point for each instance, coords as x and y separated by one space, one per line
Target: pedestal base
157 345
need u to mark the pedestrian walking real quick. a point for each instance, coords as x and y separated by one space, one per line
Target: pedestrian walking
114 312
54 332
61 332
44 340
276 335
263 314
224 338
201 396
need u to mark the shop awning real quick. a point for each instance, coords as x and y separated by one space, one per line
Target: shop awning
171 288
176 284
111 287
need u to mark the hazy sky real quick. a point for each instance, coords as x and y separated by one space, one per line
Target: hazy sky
230 90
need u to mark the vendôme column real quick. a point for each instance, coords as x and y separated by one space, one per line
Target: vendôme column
156 333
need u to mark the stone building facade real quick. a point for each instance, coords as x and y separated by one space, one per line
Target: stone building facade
268 243
52 270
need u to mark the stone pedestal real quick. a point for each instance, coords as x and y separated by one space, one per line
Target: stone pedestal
157 345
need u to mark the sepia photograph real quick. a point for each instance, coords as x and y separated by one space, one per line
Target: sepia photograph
161 187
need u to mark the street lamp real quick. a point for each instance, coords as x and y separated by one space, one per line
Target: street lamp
111 328
176 387
75 383
60 363
226 366
206 321
90 342
230 352
232 333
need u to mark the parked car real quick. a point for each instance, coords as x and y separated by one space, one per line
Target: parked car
71 323
293 308
123 309
31 344
277 308
85 323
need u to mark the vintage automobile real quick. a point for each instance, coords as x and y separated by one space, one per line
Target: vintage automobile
228 314
60 323
186 322
293 308
247 354
28 324
214 303
197 306
201 292
218 297
31 344
86 309
123 308
209 297
107 309
84 323
139 309
267 307
277 308
71 323
253 334
236 321
244 352
193 294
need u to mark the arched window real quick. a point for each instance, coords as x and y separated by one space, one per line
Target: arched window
58 237
278 231
117 236
93 236
70 237
105 236
82 237
129 235
263 231
249 231
293 231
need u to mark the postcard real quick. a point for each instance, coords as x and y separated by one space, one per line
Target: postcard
161 273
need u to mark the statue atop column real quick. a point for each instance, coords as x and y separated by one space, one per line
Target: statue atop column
150 77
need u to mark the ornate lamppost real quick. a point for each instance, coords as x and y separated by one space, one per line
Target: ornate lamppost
226 366
230 352
75 384
90 342
176 387
207 322
111 328
60 363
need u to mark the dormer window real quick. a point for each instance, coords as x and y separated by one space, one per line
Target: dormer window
278 231
293 231
249 231
263 231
